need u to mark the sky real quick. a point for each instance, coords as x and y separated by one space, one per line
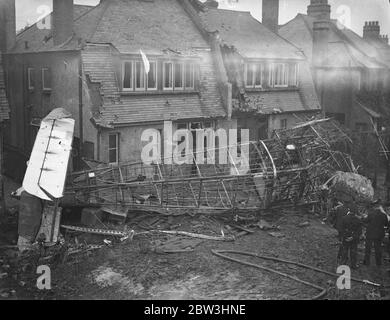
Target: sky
352 13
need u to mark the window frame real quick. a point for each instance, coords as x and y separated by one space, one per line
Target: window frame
117 137
283 123
142 72
43 79
156 76
131 76
181 63
272 75
192 71
294 82
247 65
164 75
30 78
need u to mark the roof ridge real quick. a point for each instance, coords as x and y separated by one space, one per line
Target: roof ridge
277 34
350 42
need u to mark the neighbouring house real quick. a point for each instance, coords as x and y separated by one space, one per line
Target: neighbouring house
88 60
272 86
6 24
351 72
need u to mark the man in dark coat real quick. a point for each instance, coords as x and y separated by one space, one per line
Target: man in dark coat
376 222
340 211
351 230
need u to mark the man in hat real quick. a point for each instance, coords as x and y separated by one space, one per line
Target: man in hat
376 222
350 232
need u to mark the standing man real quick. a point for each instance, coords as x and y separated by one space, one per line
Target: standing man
376 222
351 230
340 212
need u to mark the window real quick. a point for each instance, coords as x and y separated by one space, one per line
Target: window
253 75
152 76
179 76
88 150
176 75
30 78
182 125
190 75
168 75
128 75
278 75
293 82
113 148
283 124
139 75
46 79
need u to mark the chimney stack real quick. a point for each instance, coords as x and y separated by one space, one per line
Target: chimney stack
320 43
385 39
271 15
319 9
62 21
7 25
371 30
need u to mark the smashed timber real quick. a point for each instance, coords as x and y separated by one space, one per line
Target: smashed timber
131 233
290 168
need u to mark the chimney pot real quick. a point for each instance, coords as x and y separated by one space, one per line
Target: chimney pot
271 15
62 21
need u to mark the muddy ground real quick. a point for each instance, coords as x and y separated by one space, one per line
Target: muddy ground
141 269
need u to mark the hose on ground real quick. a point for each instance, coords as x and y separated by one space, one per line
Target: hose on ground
220 253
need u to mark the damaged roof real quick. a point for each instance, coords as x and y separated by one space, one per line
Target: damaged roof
4 105
247 35
346 48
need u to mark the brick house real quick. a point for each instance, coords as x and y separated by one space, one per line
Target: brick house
87 60
5 42
351 72
272 86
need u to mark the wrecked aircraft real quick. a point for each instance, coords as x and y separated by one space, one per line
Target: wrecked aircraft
288 169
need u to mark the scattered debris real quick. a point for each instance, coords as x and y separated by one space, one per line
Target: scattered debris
276 234
264 225
304 224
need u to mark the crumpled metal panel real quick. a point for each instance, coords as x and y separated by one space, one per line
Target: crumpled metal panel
47 168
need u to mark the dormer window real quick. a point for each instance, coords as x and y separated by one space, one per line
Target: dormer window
134 77
175 76
253 75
